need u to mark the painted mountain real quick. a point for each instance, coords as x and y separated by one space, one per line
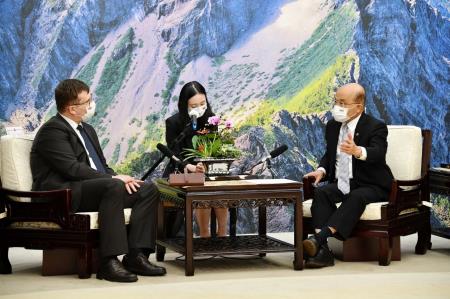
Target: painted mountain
270 66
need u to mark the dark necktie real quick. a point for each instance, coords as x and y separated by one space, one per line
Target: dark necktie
91 149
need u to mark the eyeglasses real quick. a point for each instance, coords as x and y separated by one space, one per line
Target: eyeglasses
342 104
84 103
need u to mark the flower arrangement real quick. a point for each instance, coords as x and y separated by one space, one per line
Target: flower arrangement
215 141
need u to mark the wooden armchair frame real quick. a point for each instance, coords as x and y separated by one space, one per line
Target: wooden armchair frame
47 206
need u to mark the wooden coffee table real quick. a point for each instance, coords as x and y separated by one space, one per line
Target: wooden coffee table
234 193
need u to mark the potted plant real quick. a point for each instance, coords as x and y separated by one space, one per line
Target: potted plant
214 146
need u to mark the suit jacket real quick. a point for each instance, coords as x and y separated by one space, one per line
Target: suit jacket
371 134
174 127
59 160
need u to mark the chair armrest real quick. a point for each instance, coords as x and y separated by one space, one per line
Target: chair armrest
402 198
52 206
308 187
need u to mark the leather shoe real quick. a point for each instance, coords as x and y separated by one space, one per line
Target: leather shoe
311 246
324 258
140 265
113 270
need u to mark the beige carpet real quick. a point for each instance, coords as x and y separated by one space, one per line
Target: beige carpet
271 277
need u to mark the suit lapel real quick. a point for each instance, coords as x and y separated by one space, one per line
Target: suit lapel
74 136
334 144
359 127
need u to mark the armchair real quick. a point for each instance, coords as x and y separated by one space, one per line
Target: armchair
408 208
40 220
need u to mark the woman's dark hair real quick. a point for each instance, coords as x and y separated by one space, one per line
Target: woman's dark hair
189 90
66 93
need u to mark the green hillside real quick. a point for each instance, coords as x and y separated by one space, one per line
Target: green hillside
113 75
331 39
313 98
87 72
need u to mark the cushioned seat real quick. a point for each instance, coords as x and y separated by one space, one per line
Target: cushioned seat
16 175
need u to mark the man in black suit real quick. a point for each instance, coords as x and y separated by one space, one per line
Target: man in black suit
355 166
66 153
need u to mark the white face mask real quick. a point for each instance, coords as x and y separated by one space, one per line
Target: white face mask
197 111
90 112
340 114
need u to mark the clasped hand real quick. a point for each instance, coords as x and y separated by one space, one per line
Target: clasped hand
131 184
196 168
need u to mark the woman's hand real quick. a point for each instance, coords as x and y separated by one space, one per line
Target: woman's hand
196 168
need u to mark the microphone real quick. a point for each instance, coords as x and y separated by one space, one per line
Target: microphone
273 154
194 121
168 153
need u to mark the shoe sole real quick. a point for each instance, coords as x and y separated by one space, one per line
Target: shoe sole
310 248
101 277
139 272
313 265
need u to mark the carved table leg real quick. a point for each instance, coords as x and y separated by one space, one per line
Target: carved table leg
189 262
5 265
298 234
233 221
262 224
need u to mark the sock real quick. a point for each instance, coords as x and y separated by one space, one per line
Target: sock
323 235
106 259
134 252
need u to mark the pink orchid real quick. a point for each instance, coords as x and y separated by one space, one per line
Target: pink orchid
214 120
228 124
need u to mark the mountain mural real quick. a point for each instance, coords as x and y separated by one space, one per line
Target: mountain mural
271 66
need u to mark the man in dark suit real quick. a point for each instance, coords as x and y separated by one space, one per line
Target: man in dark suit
66 153
355 165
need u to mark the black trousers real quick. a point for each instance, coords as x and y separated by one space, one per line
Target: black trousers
109 197
325 213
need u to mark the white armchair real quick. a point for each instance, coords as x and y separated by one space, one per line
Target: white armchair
40 220
408 208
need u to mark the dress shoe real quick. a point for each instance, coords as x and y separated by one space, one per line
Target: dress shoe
140 265
113 270
311 246
324 258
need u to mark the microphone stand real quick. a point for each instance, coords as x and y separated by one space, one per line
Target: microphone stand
273 173
174 143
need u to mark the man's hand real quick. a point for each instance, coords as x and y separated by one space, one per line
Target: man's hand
318 175
349 147
131 184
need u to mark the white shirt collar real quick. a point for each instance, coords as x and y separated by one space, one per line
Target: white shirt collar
352 124
71 122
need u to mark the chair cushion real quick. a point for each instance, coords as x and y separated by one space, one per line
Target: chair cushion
15 163
372 211
404 152
50 225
